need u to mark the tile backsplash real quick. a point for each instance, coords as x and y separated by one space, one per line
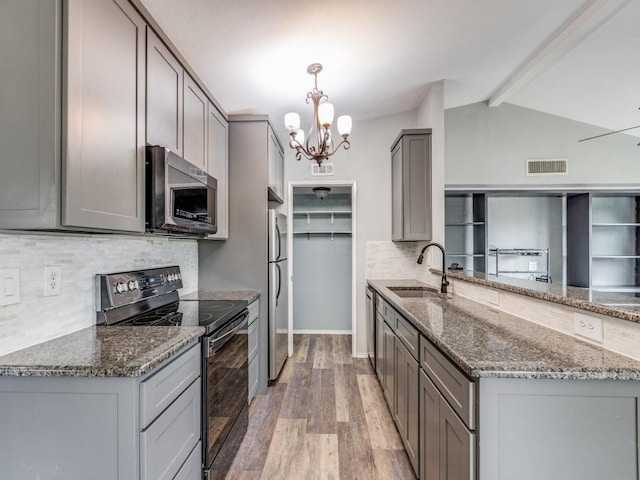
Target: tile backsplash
38 318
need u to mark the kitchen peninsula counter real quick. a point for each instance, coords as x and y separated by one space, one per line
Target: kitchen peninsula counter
616 305
484 342
100 351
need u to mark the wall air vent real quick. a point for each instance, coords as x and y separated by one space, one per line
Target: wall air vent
323 170
547 166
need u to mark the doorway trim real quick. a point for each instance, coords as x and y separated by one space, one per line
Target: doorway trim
328 183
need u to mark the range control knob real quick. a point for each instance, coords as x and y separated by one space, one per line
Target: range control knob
121 287
132 285
170 277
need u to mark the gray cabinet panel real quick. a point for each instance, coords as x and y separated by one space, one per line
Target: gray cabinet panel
192 468
429 429
30 113
573 430
406 413
195 123
104 110
379 344
218 166
457 447
388 374
411 186
275 167
164 95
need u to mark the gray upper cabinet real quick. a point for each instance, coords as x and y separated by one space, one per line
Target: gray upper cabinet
164 95
103 156
276 168
411 185
30 113
195 123
218 166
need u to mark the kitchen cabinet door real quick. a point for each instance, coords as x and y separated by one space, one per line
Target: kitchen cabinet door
388 373
379 345
30 102
406 413
104 108
164 96
195 123
429 429
218 166
275 168
411 186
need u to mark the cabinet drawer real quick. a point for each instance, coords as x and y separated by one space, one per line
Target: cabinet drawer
169 440
408 334
388 313
162 388
253 339
192 468
254 311
459 391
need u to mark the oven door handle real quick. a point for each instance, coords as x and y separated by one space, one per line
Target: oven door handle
216 343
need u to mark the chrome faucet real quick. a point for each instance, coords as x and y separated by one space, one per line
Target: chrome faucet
444 282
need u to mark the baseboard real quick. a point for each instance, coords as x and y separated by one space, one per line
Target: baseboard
322 332
361 355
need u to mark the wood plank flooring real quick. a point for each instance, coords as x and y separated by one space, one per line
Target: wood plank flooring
324 418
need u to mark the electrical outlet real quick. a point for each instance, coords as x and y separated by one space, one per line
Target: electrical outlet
533 266
587 326
52 281
9 286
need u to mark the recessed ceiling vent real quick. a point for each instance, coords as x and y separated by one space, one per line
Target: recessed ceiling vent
547 166
323 170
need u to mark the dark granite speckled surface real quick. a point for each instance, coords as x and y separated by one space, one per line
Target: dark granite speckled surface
100 351
621 306
247 295
485 342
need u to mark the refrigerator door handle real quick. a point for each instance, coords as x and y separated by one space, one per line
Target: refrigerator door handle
277 240
279 283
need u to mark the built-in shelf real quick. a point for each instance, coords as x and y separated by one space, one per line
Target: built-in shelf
322 212
465 230
323 233
463 224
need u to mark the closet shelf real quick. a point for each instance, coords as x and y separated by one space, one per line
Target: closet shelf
324 232
463 224
322 212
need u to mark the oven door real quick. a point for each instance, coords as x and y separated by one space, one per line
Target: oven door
225 393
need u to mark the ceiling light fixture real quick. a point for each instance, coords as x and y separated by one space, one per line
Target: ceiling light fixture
321 192
322 120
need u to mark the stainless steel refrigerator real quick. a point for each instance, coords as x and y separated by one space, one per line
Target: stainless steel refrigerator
278 295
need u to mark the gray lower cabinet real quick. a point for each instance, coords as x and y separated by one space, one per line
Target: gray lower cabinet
254 347
389 367
411 186
406 411
447 447
123 428
104 109
380 358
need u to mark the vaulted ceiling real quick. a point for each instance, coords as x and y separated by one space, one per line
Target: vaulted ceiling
575 58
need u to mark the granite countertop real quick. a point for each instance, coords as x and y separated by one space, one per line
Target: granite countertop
485 342
100 351
248 295
616 305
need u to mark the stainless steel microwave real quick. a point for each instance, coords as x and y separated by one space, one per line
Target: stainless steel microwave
180 198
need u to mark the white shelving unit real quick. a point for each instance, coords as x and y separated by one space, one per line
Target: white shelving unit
322 222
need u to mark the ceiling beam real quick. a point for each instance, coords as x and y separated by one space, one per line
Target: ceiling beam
579 26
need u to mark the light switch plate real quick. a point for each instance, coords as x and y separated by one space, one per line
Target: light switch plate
9 286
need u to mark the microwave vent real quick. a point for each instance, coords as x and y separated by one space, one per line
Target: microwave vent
323 170
547 166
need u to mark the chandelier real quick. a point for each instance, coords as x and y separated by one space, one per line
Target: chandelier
322 120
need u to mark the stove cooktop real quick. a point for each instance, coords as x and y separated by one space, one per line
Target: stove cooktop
210 314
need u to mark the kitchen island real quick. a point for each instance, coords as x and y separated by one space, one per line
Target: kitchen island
500 397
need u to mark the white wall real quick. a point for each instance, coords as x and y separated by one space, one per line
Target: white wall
368 163
489 146
38 318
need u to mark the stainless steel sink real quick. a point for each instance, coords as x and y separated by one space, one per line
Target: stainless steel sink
414 292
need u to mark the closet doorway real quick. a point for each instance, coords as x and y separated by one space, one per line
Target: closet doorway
322 259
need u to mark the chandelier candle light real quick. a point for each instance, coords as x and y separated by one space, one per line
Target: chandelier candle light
323 118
